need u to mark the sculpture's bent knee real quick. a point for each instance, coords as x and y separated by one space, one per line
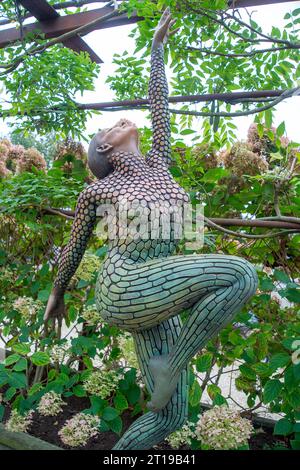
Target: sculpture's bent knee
246 275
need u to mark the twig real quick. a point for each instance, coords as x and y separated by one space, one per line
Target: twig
243 54
247 235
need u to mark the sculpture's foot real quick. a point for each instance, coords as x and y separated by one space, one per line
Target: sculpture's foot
164 382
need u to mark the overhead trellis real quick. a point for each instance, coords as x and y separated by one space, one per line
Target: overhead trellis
69 29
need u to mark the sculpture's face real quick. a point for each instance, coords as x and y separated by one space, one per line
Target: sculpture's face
120 134
124 134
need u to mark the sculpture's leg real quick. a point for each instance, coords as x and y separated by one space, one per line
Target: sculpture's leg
146 294
207 317
152 428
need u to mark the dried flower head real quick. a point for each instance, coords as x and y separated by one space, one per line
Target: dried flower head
102 382
31 157
89 265
183 436
241 160
50 404
60 352
91 315
222 428
19 423
79 429
205 155
27 307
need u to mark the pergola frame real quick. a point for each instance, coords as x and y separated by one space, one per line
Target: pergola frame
53 25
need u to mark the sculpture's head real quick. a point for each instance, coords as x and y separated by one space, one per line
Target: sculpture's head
122 136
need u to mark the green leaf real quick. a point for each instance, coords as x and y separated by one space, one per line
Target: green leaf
116 425
97 404
295 444
279 360
109 413
40 358
2 409
20 365
21 348
195 394
247 372
213 390
17 380
272 390
203 363
79 391
294 398
293 295
283 427
120 401
133 394
268 118
262 369
44 294
12 359
10 393
214 174
280 129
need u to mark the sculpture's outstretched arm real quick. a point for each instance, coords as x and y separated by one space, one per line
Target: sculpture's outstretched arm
160 153
85 218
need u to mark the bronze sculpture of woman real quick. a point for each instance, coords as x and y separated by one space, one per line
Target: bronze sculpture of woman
142 287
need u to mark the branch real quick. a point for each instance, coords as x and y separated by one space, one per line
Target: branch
286 94
259 33
218 222
244 54
233 98
247 235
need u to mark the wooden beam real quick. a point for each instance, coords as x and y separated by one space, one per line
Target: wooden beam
42 11
23 441
63 24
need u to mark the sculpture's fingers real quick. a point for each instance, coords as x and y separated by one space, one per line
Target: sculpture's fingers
171 33
164 16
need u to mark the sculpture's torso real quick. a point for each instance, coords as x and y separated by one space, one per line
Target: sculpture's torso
134 182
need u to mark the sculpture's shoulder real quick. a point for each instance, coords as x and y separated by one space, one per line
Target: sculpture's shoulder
99 191
169 186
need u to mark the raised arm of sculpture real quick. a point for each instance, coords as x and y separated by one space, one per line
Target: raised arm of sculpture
160 153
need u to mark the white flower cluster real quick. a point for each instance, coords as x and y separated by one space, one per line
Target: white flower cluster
182 436
222 428
19 423
59 353
86 270
126 345
91 315
27 307
102 383
50 404
79 429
